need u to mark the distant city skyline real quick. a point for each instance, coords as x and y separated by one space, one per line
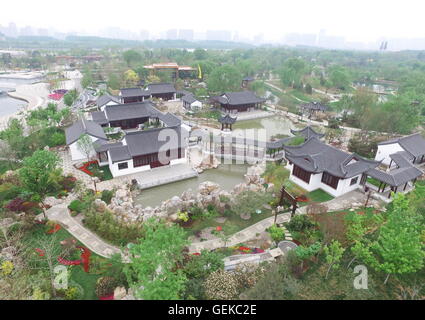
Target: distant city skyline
357 24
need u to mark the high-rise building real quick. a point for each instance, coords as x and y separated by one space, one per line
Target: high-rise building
221 35
144 35
171 34
186 34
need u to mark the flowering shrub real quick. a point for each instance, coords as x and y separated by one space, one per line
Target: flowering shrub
7 268
68 183
221 285
16 205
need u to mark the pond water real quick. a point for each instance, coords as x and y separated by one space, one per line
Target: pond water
227 176
272 125
9 105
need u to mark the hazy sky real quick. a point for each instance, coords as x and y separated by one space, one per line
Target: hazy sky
357 20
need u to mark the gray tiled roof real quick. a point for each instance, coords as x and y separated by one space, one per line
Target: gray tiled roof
120 154
308 132
316 156
405 172
414 144
239 98
99 117
316 106
102 146
189 98
134 92
227 119
158 88
147 142
74 132
397 177
276 144
169 119
130 111
402 159
102 100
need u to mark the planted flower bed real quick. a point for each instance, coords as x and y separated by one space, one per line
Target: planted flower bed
92 169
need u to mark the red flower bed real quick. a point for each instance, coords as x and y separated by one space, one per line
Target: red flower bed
85 166
40 252
55 229
302 199
69 262
110 297
219 228
56 96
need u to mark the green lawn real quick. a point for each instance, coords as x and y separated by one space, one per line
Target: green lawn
86 280
319 196
107 175
374 181
234 223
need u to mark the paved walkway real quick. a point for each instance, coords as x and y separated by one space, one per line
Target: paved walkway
241 236
61 214
351 199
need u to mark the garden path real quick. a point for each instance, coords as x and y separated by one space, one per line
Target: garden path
60 213
241 236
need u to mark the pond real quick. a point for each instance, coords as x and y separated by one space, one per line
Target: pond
9 105
272 125
227 176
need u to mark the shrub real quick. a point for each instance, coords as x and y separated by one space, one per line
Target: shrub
105 286
221 285
276 233
300 223
68 183
16 205
107 196
57 139
9 191
77 206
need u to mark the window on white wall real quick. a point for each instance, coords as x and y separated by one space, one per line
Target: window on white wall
354 181
122 166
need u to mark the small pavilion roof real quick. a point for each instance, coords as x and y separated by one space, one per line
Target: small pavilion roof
314 106
414 144
307 132
227 119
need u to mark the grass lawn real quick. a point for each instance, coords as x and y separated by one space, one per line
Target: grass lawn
107 175
374 181
86 280
232 225
319 196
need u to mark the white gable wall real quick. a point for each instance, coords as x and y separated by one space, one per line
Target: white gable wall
110 103
76 154
384 151
316 183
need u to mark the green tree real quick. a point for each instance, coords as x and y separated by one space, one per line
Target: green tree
85 145
224 78
152 271
339 77
398 248
70 97
87 80
131 78
131 57
292 71
333 255
36 171
200 54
